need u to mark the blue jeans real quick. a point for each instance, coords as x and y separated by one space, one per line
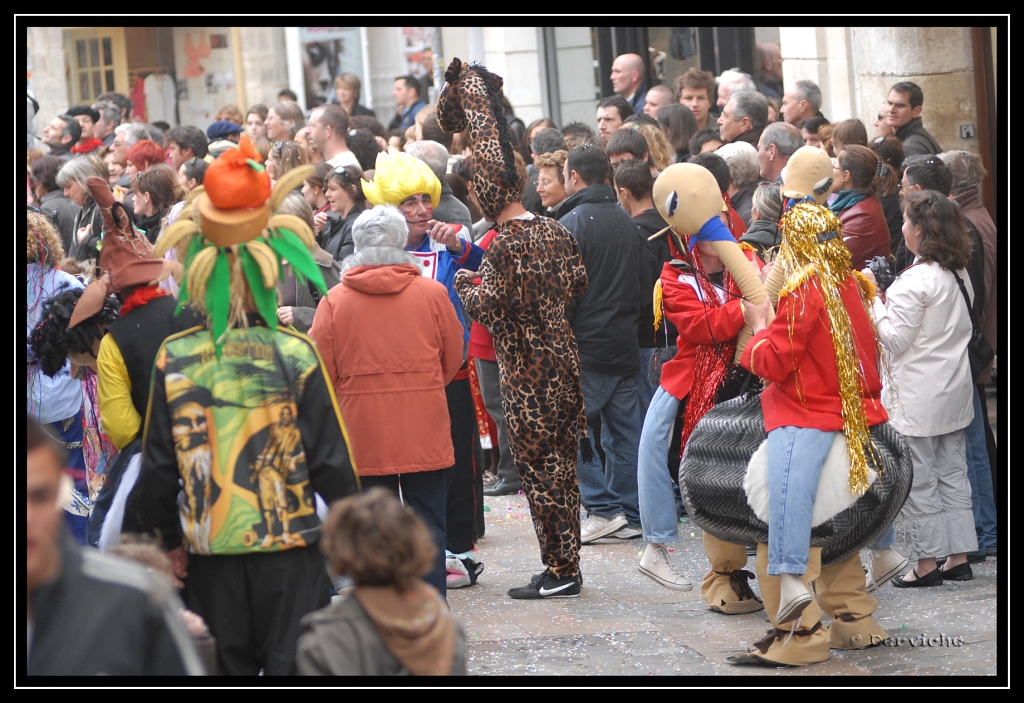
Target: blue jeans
426 492
648 386
795 458
980 475
612 490
885 540
657 499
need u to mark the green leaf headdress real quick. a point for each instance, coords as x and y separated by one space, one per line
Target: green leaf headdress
233 243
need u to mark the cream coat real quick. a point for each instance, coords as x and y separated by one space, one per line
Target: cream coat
925 327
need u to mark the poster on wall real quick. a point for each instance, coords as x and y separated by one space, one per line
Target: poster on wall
419 56
326 53
203 57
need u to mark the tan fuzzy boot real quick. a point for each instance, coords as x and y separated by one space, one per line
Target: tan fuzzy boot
725 587
809 643
843 595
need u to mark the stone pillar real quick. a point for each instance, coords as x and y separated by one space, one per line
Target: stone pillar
386 63
822 55
938 59
49 80
264 63
577 80
513 53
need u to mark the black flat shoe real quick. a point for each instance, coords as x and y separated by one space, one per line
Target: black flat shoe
502 488
932 578
959 573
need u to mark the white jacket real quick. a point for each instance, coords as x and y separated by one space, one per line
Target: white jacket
925 327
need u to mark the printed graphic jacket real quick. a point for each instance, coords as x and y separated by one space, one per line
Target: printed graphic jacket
234 448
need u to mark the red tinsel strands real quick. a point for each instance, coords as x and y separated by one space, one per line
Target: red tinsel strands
728 213
710 368
140 296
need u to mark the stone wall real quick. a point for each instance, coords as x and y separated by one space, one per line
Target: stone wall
264 64
938 59
856 66
49 82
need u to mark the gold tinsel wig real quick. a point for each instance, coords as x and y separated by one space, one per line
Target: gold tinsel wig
235 242
812 251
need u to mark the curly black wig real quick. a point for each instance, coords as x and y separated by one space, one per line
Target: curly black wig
51 341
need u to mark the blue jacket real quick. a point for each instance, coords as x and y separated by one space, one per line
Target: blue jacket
434 257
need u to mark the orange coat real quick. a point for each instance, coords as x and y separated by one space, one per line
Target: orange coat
391 342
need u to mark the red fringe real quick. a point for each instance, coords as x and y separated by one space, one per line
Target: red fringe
710 367
140 296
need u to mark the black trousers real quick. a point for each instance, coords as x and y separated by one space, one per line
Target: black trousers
253 603
462 508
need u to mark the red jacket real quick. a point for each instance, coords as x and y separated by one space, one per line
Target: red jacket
865 231
805 384
391 342
697 324
481 343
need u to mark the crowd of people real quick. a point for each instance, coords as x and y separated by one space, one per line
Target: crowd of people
491 308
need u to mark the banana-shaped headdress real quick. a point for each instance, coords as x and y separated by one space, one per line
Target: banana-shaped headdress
235 242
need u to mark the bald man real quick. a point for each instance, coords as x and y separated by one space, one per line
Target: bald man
658 97
769 55
629 80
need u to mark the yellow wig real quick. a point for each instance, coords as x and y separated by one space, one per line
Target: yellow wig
398 176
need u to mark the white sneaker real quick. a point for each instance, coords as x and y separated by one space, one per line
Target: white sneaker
655 563
793 598
628 532
882 566
596 527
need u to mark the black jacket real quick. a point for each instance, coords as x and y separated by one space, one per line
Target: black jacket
605 318
106 615
762 234
336 236
916 140
62 213
654 255
85 249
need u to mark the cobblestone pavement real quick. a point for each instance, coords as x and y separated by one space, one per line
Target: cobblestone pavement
626 624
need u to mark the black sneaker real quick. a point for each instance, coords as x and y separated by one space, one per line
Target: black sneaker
543 586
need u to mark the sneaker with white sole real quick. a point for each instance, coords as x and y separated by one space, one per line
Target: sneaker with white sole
794 596
462 573
595 527
882 566
547 586
655 563
630 531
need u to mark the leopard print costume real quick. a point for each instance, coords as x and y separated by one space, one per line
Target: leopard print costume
471 98
527 276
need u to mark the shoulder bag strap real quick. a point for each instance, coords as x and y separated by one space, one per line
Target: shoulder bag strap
970 310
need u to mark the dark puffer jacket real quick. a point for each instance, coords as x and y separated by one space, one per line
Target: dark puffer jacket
605 318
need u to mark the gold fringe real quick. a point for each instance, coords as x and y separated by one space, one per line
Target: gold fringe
659 313
828 263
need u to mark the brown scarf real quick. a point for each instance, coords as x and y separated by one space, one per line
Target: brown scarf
416 626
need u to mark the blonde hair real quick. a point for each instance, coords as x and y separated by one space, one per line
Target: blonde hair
44 243
657 146
555 159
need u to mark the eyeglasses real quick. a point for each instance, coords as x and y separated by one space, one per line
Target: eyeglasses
545 182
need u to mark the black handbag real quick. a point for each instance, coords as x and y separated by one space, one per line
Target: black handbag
979 351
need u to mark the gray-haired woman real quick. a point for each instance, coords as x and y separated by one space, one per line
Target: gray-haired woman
88 226
391 342
765 210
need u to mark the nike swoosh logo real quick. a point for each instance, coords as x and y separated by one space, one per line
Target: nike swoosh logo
545 592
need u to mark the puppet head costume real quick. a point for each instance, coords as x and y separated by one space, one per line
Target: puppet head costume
234 241
687 196
471 99
719 450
